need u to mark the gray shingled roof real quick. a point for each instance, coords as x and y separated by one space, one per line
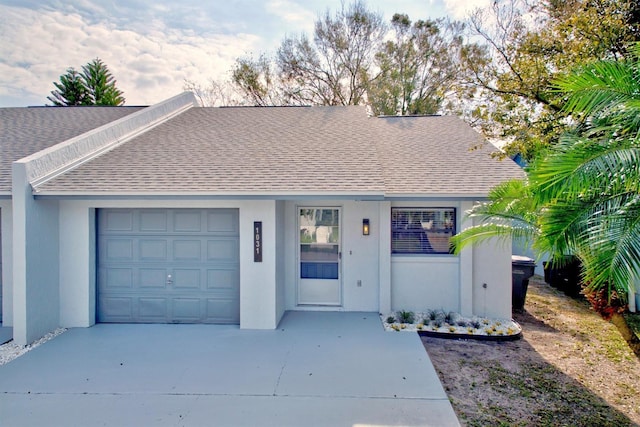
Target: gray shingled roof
438 155
24 131
281 150
293 151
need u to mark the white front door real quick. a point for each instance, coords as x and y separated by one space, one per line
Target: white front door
319 256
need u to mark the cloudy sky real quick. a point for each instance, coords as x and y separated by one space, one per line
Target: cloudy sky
152 46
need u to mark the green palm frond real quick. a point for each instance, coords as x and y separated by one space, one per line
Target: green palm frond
582 197
611 242
490 231
509 213
605 94
579 165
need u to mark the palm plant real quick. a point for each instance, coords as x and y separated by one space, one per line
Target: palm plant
589 183
582 197
511 212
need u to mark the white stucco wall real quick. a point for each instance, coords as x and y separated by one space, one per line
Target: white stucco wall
267 289
258 280
360 257
384 251
492 266
35 262
466 264
360 254
423 282
258 293
6 229
77 265
280 260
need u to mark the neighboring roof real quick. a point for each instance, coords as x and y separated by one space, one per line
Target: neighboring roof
228 151
293 151
438 155
24 131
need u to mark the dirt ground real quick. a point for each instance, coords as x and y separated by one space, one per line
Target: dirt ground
571 368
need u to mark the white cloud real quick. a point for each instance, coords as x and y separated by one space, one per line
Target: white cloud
38 46
151 46
291 13
460 9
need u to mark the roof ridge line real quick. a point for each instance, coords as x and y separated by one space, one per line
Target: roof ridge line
64 156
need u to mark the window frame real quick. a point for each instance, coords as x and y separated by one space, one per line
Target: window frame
449 221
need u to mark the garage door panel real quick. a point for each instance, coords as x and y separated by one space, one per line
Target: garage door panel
187 250
168 265
153 278
119 249
221 311
121 220
187 309
118 278
223 250
222 222
189 221
152 309
153 221
222 279
117 307
152 250
187 278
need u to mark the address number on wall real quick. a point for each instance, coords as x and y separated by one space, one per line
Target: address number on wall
257 241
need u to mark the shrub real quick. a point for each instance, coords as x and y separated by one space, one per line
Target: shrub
406 316
604 303
450 318
391 319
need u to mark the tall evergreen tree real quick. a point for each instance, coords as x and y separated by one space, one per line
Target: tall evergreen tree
71 90
94 86
100 84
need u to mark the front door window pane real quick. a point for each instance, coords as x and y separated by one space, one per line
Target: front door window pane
319 243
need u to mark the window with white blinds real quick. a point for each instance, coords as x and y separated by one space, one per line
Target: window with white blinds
422 230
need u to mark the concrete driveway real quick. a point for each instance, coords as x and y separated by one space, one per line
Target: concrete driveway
316 369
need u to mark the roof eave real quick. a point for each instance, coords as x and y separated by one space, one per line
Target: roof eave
435 197
199 195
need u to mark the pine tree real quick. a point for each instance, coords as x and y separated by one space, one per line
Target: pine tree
94 86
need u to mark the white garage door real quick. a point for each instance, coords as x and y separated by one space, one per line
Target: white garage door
168 266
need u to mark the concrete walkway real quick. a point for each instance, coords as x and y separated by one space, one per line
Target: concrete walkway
316 369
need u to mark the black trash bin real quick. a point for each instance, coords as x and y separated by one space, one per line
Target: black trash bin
564 275
522 268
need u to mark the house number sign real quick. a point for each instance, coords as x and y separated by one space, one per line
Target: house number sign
257 241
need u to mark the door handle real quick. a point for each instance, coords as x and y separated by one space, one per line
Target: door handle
339 255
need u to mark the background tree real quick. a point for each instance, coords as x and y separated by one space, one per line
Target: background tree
94 86
70 90
213 94
347 62
100 84
334 67
530 44
258 82
418 67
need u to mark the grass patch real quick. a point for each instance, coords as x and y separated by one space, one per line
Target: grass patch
537 383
